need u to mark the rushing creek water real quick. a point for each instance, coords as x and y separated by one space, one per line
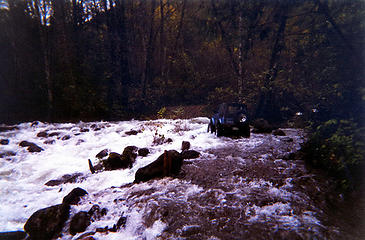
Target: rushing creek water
237 189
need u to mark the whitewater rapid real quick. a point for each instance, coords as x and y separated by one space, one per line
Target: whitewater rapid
153 208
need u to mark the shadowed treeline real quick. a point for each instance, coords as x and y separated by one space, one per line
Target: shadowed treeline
113 59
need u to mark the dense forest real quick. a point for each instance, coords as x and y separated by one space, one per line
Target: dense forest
116 59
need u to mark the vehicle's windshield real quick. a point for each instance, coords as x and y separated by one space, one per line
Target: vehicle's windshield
234 109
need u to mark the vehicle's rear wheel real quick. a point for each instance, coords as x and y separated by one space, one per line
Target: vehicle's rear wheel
245 131
219 130
211 127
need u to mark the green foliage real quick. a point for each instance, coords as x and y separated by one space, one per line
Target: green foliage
337 146
161 112
220 95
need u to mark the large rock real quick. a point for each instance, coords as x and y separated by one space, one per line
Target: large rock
47 223
185 145
79 222
262 126
190 154
129 155
74 196
16 235
125 160
167 164
113 162
143 152
67 178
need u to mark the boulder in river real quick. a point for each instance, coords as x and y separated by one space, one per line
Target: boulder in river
32 147
47 223
132 132
185 145
167 164
67 178
66 137
143 152
42 134
121 161
74 196
79 222
102 154
190 154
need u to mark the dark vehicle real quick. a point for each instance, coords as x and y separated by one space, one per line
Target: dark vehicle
231 118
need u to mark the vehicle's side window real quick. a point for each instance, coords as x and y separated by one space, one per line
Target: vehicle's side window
221 109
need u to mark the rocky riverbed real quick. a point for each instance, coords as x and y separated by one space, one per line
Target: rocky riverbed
251 188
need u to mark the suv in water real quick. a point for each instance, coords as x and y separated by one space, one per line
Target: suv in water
231 118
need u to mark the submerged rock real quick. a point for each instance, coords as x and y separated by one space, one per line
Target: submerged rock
167 164
278 132
74 196
32 147
42 134
47 223
7 154
4 141
49 141
132 132
66 137
35 148
54 134
120 224
102 154
67 178
8 128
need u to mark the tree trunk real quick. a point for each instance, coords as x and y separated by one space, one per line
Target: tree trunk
267 108
149 53
43 32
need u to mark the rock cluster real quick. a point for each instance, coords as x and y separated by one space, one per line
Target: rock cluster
47 223
167 164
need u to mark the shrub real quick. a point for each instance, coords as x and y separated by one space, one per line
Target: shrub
337 147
